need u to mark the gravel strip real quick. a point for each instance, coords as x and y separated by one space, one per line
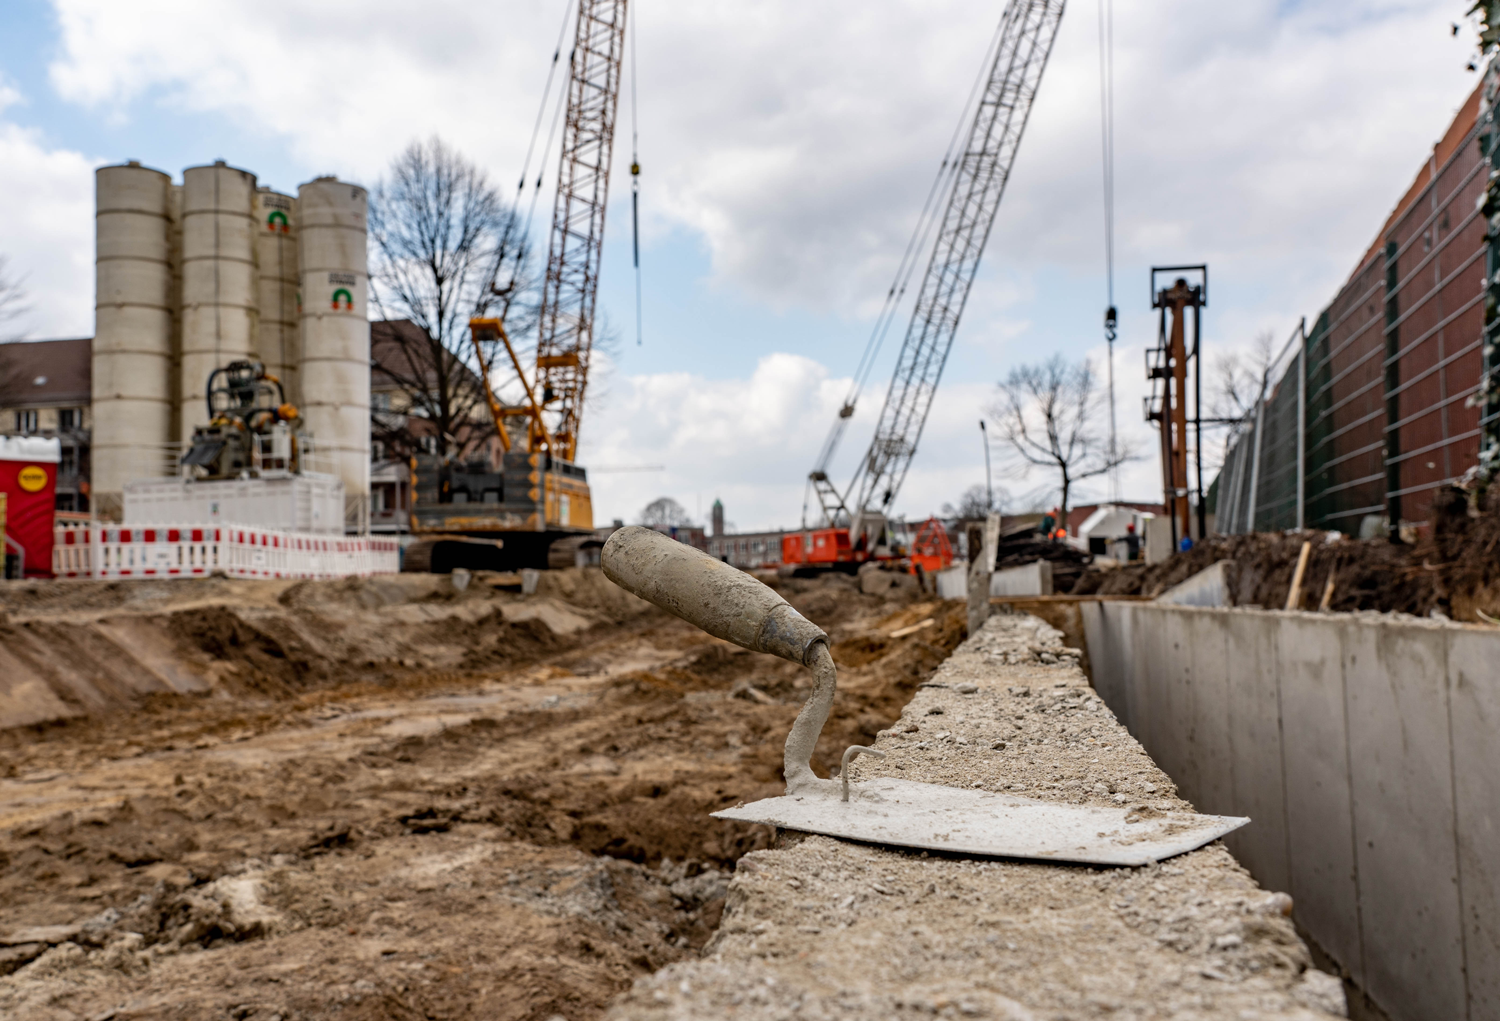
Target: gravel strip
824 928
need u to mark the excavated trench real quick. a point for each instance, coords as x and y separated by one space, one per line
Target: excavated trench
388 798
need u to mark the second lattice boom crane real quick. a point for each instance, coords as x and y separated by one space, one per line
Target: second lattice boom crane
972 179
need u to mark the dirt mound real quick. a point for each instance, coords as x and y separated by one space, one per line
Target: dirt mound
589 588
87 648
1454 570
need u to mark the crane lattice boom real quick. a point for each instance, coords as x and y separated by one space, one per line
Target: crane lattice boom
1027 32
566 334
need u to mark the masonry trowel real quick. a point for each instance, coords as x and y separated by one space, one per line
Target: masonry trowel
729 604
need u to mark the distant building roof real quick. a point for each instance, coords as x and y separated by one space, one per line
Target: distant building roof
46 373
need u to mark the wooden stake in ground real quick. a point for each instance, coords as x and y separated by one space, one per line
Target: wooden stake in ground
978 580
1327 599
1294 597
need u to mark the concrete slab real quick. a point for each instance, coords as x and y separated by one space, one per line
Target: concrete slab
1173 719
1033 579
1406 862
1209 587
1108 662
1474 707
1209 737
1319 803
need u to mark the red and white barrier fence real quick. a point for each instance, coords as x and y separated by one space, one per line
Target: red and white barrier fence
195 551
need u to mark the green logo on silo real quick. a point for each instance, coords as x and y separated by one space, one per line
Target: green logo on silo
343 300
277 221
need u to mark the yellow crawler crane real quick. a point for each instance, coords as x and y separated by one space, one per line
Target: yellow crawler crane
534 509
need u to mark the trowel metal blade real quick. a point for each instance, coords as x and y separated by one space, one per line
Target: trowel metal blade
903 813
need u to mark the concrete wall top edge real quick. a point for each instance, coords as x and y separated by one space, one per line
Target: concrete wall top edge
1370 618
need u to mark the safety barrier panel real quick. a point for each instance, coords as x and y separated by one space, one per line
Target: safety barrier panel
195 551
1393 391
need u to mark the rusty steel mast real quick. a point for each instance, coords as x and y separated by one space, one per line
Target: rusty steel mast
977 176
566 332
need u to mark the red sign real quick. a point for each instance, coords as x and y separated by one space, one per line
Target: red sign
30 489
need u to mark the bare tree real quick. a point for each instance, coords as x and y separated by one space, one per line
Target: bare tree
12 297
447 248
12 305
665 511
1050 415
1241 379
974 503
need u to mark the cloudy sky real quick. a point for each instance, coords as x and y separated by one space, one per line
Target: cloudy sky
787 148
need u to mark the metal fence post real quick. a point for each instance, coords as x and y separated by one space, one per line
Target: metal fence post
1302 425
1260 421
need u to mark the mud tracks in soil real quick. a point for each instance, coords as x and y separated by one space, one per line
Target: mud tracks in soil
514 829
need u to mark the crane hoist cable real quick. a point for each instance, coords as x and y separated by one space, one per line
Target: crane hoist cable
1107 141
921 230
635 179
557 116
541 110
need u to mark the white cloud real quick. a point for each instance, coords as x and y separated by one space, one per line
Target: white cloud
748 442
798 139
48 240
751 443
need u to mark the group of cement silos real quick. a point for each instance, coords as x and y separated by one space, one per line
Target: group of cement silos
196 275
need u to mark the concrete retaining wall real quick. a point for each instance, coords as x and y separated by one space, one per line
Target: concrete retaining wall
1033 579
1367 751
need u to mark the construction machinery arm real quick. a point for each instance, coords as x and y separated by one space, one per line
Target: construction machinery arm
566 332
481 330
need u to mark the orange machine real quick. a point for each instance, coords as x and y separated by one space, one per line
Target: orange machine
821 548
930 550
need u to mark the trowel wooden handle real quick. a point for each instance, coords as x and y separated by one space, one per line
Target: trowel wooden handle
722 600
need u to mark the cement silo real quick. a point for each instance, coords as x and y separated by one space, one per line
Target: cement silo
335 367
133 330
279 344
219 281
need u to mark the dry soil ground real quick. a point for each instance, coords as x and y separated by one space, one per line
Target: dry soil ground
389 799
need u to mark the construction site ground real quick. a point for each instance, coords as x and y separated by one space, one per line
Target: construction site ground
387 798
